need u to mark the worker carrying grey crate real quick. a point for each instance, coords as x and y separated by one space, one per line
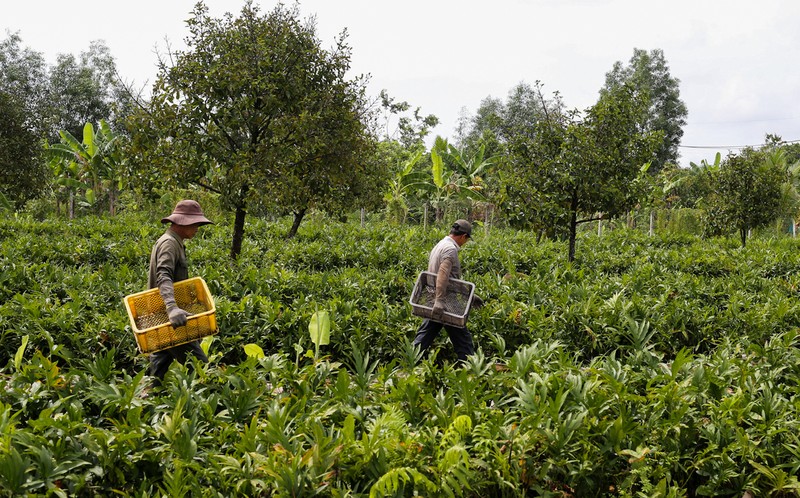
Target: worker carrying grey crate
448 309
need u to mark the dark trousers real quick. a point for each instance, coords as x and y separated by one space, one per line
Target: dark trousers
161 360
459 336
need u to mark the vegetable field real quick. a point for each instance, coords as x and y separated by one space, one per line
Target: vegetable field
650 366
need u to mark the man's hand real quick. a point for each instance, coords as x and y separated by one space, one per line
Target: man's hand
178 317
438 311
477 302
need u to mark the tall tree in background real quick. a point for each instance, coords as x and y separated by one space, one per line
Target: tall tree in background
258 112
649 72
83 89
496 128
23 175
482 128
399 154
533 149
412 129
65 96
497 122
23 76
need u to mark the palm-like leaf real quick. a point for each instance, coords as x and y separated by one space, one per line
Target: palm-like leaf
437 169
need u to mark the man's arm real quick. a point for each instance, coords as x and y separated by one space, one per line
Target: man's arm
442 277
166 262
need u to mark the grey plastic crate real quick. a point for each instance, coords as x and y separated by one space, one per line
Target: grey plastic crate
457 301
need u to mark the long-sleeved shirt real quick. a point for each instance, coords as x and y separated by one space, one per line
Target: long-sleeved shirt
167 260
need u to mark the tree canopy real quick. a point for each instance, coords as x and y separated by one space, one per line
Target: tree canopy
83 89
573 169
497 122
257 111
648 72
23 175
749 192
23 75
65 96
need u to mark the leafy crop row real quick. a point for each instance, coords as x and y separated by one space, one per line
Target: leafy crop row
649 366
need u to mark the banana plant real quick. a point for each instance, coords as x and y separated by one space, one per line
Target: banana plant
471 167
107 164
400 188
92 165
790 190
69 176
704 173
455 177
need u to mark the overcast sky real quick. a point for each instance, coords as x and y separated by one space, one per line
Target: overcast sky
737 60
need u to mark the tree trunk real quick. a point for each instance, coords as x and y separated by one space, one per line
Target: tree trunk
238 232
71 205
573 225
743 234
652 222
112 201
298 217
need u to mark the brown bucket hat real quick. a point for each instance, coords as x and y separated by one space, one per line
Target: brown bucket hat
187 212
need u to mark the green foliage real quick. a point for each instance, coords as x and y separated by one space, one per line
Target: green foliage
693 187
283 130
84 89
23 78
254 351
666 113
749 193
402 188
393 482
650 366
23 176
573 169
92 167
64 96
497 123
454 178
319 329
411 130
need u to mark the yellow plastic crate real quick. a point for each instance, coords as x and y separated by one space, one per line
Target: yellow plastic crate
150 322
